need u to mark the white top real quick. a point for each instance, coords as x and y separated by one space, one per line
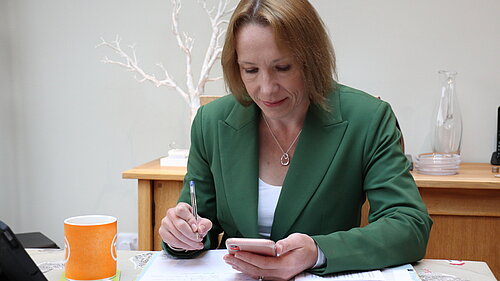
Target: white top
268 200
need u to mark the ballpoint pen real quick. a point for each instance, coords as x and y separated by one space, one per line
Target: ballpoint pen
194 206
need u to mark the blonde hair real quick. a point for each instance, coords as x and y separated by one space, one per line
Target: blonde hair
296 26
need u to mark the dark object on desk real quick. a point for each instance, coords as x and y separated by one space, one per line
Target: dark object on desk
495 158
35 240
15 263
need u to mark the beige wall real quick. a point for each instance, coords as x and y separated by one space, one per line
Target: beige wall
75 124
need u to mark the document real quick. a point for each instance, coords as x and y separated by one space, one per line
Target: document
373 275
210 266
398 273
404 272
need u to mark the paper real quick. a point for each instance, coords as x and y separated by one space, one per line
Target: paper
210 266
49 266
140 260
374 275
169 162
400 273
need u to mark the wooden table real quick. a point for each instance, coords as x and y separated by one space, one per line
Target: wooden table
465 209
52 262
158 189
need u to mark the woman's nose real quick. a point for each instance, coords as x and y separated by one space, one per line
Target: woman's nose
267 84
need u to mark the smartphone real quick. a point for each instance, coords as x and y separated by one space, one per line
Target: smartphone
264 247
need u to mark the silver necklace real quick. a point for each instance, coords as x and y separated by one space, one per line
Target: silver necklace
285 158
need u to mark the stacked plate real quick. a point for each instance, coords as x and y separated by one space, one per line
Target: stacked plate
437 164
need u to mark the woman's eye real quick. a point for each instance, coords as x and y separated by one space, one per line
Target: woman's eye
283 67
250 70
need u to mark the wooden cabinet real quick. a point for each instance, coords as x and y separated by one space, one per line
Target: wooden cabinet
465 209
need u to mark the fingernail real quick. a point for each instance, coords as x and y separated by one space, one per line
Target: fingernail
194 227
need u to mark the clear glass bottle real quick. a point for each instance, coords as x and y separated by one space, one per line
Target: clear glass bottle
447 137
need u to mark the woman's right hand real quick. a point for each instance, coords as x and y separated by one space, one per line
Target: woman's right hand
179 228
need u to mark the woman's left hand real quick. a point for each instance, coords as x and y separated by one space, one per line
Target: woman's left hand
296 253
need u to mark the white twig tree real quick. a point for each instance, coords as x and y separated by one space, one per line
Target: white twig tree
192 91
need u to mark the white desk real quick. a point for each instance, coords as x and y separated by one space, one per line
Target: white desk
428 269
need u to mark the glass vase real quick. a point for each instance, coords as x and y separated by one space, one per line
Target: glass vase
447 137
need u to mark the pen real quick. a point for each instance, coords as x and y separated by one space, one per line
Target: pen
194 206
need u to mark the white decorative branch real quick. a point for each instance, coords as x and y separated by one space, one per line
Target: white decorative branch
192 92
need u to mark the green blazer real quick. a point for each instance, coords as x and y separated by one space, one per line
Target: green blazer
342 157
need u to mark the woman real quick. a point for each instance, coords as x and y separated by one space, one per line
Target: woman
291 155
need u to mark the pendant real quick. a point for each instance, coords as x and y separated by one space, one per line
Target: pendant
285 159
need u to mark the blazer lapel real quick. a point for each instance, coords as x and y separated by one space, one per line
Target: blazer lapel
239 153
316 148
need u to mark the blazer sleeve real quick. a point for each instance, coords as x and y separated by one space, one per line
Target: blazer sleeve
199 171
399 224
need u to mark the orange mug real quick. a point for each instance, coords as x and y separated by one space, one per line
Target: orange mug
90 245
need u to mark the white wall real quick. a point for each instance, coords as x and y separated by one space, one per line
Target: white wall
394 49
8 210
75 124
78 122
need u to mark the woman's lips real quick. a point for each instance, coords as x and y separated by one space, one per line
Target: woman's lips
273 103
